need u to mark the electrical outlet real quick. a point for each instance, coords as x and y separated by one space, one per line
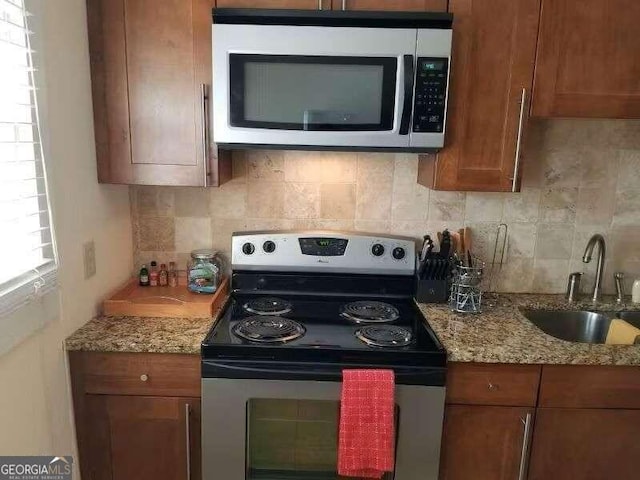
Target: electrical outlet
89 259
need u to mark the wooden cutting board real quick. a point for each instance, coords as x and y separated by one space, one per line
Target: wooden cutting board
136 301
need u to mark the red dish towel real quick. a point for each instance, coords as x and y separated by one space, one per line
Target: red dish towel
366 436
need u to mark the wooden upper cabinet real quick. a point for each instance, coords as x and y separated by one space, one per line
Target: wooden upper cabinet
485 443
399 5
151 69
494 43
292 4
585 444
588 61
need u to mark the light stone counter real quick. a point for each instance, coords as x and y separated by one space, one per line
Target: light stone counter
501 334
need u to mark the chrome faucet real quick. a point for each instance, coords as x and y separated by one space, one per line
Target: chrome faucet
596 239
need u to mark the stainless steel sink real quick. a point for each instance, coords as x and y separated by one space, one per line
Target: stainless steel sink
576 326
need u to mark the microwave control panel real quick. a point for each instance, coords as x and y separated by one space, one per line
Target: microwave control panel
431 94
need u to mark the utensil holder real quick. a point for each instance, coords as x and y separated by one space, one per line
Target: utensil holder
466 291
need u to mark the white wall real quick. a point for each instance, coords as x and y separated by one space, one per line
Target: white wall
35 405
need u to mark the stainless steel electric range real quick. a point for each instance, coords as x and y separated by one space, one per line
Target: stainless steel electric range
304 307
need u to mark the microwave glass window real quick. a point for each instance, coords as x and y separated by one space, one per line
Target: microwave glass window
312 93
282 93
293 439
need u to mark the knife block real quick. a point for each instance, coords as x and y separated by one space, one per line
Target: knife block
432 291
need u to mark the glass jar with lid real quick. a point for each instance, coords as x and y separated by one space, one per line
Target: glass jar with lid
203 271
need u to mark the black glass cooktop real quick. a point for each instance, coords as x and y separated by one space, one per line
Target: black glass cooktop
325 329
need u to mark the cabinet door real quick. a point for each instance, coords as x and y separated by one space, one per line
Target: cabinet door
493 56
293 4
588 61
399 5
485 443
143 438
151 69
587 444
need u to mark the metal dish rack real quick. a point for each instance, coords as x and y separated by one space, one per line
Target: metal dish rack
466 290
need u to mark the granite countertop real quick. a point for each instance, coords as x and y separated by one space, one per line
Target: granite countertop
501 334
142 334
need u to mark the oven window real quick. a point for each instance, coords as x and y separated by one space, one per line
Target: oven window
293 439
291 92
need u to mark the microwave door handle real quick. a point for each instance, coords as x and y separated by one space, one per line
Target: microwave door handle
408 77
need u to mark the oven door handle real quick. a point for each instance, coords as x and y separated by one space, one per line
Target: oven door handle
408 80
334 371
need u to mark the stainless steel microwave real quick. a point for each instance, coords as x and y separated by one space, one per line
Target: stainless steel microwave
317 80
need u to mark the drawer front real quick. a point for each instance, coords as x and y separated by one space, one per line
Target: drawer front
141 374
586 386
492 384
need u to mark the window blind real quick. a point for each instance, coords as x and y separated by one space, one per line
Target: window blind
27 248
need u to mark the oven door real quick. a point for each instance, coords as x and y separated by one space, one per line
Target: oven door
287 429
313 86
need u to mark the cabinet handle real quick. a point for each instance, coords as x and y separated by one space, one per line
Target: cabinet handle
523 98
319 4
205 132
344 4
144 377
187 432
524 454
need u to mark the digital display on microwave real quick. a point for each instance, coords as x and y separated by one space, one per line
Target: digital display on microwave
433 66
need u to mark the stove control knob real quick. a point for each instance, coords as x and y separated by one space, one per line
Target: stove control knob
398 253
269 246
248 248
377 250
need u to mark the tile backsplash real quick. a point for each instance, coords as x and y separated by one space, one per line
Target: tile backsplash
580 177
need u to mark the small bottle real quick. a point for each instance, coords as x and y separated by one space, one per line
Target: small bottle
144 276
173 275
153 275
635 291
163 276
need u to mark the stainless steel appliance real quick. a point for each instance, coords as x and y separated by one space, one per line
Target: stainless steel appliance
305 306
330 79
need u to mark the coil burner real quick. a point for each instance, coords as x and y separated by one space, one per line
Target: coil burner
388 336
268 329
370 312
268 306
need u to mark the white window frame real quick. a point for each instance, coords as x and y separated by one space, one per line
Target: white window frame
23 289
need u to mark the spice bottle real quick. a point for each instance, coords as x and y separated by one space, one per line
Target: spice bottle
173 275
153 275
163 276
144 276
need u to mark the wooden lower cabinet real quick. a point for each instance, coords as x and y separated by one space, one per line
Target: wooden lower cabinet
585 444
484 442
143 438
137 415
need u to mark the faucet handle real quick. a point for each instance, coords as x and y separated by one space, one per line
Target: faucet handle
619 278
573 287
